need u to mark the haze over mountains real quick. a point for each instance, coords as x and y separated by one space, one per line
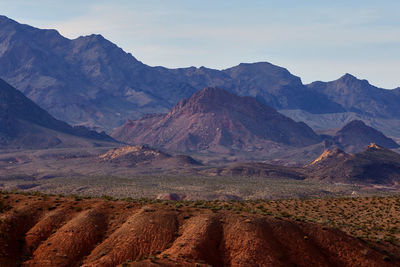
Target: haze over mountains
90 81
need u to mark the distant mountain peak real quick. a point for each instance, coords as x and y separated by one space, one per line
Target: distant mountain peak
212 99
93 37
348 76
356 135
6 19
351 79
354 124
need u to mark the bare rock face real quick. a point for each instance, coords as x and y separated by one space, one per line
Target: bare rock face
216 120
330 155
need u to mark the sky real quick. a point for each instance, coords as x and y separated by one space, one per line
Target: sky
313 39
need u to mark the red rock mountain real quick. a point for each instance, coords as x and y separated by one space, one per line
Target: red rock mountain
216 120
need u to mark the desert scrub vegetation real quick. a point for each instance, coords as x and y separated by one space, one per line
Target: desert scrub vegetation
374 218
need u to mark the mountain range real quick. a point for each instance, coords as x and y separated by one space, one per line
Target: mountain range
91 81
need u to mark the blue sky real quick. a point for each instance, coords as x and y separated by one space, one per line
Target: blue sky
316 40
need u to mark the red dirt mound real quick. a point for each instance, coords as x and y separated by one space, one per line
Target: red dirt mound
144 233
131 233
45 227
199 240
72 242
13 226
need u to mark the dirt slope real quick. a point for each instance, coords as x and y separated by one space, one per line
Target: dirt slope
100 232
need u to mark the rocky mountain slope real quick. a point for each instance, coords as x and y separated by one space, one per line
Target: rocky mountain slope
355 136
216 120
360 101
374 165
53 231
359 96
24 124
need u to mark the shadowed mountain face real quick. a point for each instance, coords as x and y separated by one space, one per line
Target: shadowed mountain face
355 136
375 165
360 100
216 120
24 124
277 87
361 97
91 81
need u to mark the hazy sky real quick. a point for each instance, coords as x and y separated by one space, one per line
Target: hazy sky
314 39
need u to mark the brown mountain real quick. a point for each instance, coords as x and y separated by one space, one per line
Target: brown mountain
25 124
356 135
216 120
376 165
